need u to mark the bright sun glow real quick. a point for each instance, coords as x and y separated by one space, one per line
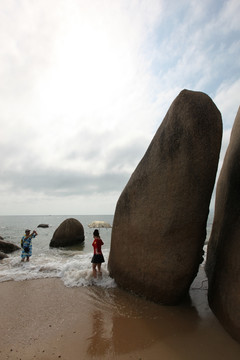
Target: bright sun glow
91 70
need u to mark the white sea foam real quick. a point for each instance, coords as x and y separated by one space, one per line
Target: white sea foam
72 267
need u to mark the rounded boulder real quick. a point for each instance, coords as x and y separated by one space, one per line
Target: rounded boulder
70 232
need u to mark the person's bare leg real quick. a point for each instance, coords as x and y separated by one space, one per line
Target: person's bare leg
94 270
27 258
99 270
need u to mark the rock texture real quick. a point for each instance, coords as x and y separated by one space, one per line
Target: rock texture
8 247
160 220
70 232
2 255
223 257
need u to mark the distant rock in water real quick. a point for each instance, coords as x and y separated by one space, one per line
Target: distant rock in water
8 247
223 256
1 238
70 232
43 226
159 225
3 255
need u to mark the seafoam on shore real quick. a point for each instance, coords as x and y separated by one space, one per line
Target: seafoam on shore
72 267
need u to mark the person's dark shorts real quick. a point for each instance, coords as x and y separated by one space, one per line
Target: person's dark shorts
98 259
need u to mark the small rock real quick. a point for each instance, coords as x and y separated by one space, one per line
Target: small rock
8 247
3 255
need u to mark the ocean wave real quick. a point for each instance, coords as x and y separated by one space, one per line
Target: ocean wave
74 269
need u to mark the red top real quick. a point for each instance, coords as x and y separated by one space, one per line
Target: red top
97 244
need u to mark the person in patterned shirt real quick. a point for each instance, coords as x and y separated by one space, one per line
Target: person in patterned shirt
26 244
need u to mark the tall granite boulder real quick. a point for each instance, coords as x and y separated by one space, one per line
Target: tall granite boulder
70 232
159 224
223 256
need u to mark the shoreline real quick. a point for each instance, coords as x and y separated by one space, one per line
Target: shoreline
43 319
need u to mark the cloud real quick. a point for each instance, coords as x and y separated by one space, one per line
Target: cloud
55 182
85 85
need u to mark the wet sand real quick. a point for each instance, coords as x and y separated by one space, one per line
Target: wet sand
43 319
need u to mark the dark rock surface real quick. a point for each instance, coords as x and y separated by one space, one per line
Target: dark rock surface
70 232
43 226
3 255
160 220
8 247
223 256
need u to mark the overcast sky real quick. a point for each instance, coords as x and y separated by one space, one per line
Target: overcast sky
84 86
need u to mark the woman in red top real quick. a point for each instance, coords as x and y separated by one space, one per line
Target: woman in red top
97 258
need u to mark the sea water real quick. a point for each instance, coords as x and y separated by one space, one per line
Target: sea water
72 265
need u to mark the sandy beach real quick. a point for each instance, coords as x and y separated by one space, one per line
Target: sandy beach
43 319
